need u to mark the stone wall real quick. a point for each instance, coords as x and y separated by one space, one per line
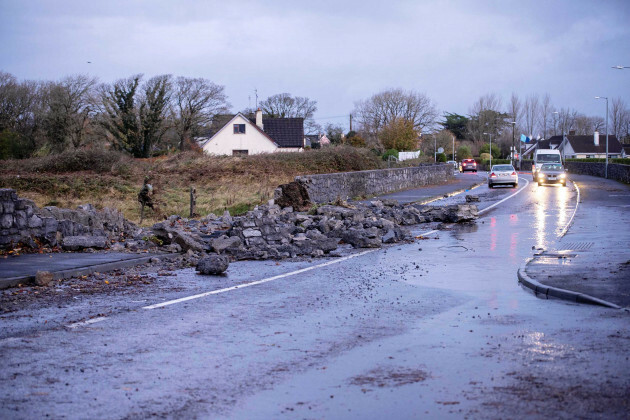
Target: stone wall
324 188
616 171
21 222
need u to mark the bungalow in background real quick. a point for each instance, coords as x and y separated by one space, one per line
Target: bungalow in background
241 135
578 147
587 147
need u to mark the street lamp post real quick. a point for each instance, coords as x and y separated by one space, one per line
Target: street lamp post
434 149
490 134
606 170
513 144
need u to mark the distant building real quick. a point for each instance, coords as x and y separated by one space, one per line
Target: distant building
585 147
242 135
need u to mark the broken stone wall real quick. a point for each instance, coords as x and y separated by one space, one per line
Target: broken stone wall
22 222
324 188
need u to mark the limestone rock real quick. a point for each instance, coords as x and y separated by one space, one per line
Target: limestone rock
43 278
293 194
224 242
213 264
76 243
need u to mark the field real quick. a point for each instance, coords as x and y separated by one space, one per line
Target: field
109 179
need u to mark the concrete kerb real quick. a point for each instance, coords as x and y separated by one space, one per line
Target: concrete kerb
550 291
85 270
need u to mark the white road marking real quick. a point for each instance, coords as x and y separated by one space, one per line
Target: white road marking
88 322
506 198
254 283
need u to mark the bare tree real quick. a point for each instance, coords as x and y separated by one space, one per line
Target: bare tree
486 117
21 113
515 108
195 102
566 120
68 110
619 115
382 108
283 105
531 111
584 125
546 108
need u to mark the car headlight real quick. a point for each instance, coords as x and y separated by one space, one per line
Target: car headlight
562 176
541 176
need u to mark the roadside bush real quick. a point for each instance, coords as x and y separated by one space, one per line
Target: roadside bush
625 161
463 152
96 160
441 157
390 152
13 146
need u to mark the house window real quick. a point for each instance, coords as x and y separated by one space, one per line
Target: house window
239 152
239 128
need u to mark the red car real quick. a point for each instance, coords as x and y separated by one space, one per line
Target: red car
469 165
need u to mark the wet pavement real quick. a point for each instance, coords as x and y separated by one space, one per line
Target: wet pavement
592 260
22 269
460 183
437 328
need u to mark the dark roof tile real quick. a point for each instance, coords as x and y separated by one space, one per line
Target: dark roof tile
287 132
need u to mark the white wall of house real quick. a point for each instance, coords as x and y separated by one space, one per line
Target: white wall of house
225 141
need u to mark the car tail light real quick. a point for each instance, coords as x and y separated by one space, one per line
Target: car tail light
492 175
513 173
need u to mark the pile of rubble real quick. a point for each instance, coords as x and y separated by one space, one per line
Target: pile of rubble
267 232
272 232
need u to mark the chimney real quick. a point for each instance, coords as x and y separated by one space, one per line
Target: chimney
259 122
572 133
596 138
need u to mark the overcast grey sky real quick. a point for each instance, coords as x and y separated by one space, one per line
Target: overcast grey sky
335 52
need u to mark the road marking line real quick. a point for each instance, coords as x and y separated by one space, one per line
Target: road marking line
241 286
254 283
577 203
88 322
506 198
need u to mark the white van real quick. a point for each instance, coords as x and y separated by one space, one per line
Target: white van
545 156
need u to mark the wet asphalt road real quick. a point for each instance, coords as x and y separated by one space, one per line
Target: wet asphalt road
437 329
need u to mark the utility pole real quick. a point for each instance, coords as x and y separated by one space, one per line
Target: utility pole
350 122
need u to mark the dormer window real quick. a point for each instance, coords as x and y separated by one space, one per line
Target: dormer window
239 128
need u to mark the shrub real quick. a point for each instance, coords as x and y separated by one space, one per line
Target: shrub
441 157
95 160
463 152
390 152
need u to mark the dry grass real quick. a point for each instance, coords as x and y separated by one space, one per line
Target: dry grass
106 179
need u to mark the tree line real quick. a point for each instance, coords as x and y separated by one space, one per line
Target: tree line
135 115
144 117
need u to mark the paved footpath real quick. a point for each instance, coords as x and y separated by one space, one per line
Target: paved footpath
591 263
22 269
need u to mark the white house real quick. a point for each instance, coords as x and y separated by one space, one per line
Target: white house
584 147
244 136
